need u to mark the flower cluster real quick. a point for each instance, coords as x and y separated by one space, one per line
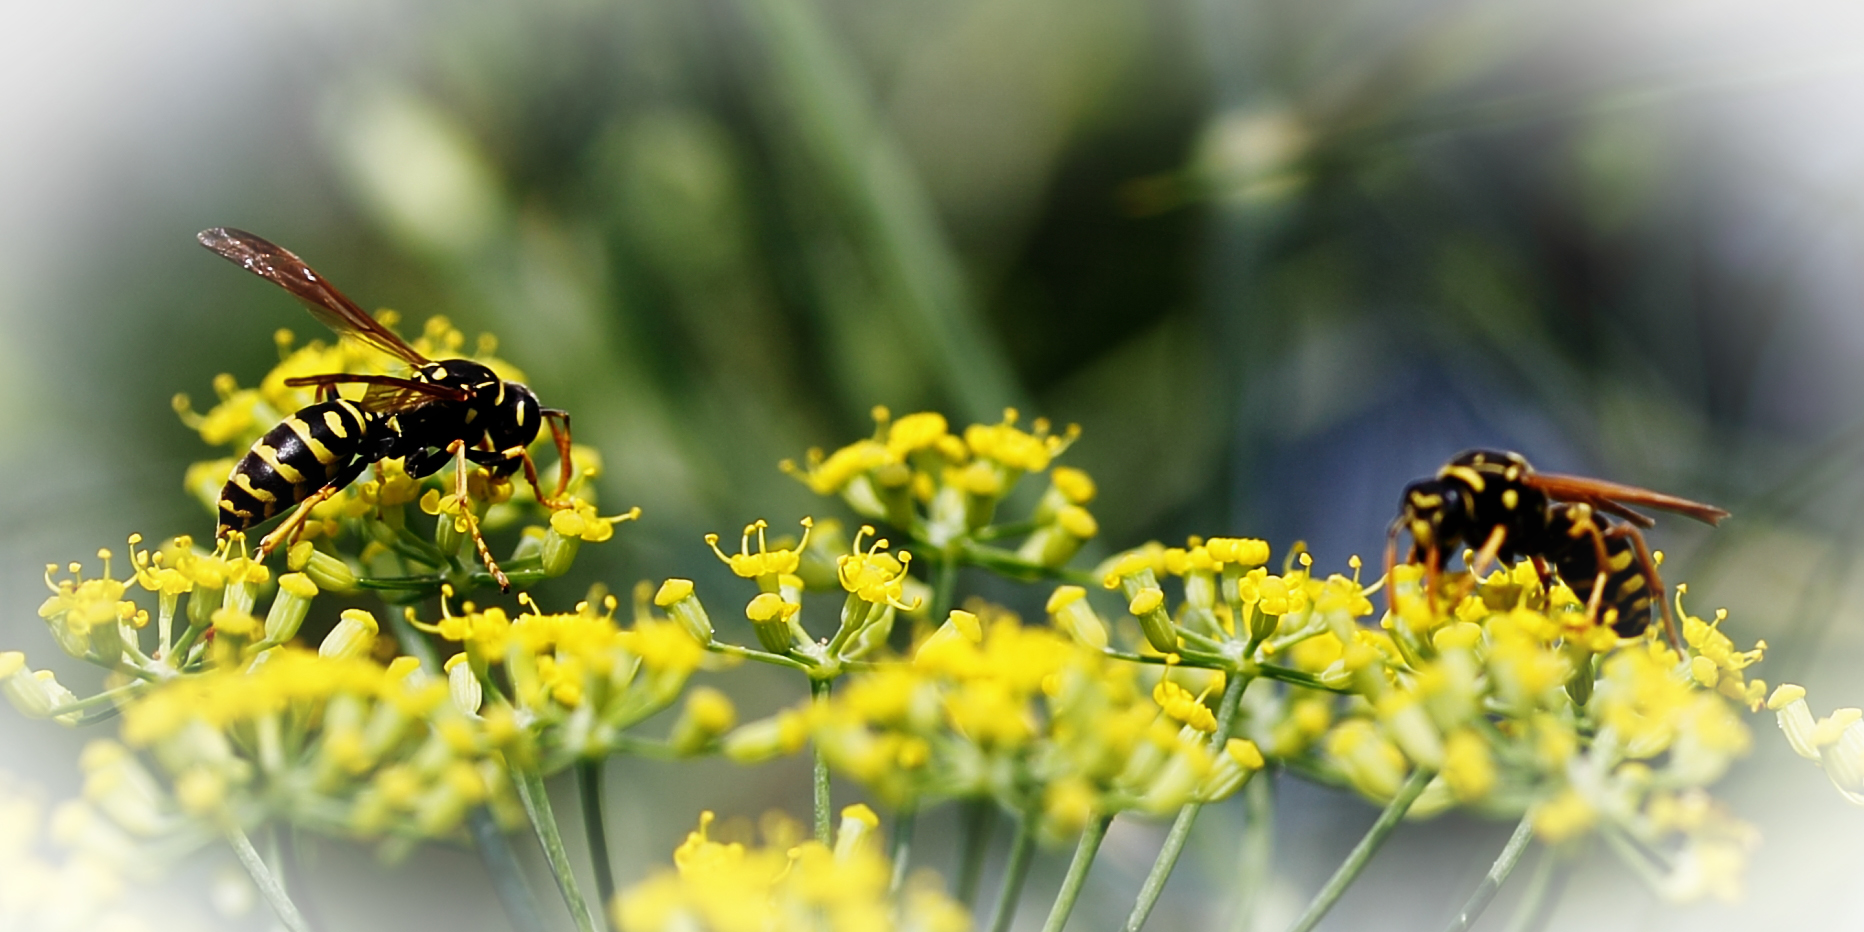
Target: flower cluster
944 488
566 685
786 884
992 709
1164 679
1510 699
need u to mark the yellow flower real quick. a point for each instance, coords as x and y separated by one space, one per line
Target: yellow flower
765 565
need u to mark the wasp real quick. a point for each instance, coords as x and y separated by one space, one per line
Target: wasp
1584 529
449 409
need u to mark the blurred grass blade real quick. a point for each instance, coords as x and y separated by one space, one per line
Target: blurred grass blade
895 224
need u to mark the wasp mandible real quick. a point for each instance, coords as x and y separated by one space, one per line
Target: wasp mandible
444 409
1495 501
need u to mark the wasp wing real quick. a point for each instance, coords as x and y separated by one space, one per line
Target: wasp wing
1616 499
385 394
281 267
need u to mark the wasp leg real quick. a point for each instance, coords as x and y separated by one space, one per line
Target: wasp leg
289 529
1433 570
1391 563
1490 548
561 437
458 451
1649 567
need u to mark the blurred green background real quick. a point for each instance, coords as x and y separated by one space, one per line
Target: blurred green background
1276 259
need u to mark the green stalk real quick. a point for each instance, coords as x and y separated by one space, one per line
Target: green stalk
536 800
1084 852
1529 914
501 862
1498 874
980 814
1256 858
818 691
1167 858
267 882
1022 851
595 828
944 584
761 656
1362 852
903 823
827 107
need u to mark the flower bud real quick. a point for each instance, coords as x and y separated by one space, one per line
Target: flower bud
676 596
463 686
1148 605
203 601
708 714
1238 551
295 592
353 636
330 573
1056 543
1238 762
35 693
770 618
960 627
780 734
858 824
559 552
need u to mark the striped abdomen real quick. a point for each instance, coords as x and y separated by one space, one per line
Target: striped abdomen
1626 602
291 462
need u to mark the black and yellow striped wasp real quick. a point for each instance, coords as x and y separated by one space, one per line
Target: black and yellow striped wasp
450 409
1497 502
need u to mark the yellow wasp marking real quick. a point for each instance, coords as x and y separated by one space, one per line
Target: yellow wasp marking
285 470
1510 498
334 421
317 449
1619 561
245 482
1469 475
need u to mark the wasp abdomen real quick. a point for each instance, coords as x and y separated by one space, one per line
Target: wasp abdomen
291 462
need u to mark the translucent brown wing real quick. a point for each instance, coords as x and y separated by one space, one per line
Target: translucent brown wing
386 394
279 266
1615 499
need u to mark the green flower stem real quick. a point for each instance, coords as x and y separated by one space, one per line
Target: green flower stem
904 822
1022 853
1234 685
1633 856
1362 852
1009 564
1256 859
1006 529
536 800
944 585
595 828
178 655
1084 851
1498 874
1542 893
818 692
107 697
267 882
761 656
501 864
979 816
